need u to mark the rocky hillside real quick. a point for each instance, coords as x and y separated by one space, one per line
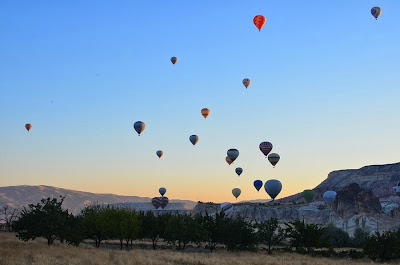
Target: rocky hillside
19 196
377 178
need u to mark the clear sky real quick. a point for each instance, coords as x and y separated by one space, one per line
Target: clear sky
325 91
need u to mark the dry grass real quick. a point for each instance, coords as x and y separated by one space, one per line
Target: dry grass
14 252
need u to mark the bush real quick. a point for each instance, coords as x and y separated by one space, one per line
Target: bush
383 247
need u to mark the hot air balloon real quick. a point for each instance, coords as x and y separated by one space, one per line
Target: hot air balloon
205 112
28 126
258 184
259 21
226 208
156 201
273 187
329 196
239 170
174 60
159 153
376 12
162 191
396 188
228 160
164 202
194 139
236 192
232 154
246 82
139 127
265 148
273 158
308 195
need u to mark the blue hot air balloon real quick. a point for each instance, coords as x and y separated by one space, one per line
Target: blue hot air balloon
162 191
239 170
258 184
194 139
273 187
139 127
329 196
232 154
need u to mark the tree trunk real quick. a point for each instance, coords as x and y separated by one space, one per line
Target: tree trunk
121 243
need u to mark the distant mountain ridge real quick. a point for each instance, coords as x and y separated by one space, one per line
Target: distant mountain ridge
19 196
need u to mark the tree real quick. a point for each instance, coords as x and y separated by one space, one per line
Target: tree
9 216
237 233
359 237
336 237
383 247
45 219
213 229
304 235
270 233
92 220
153 227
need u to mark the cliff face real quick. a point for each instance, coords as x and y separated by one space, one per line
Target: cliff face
378 178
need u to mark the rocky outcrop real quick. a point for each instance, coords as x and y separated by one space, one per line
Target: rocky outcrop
377 178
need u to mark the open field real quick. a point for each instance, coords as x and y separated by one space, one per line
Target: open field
14 251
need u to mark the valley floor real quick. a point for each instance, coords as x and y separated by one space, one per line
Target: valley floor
16 252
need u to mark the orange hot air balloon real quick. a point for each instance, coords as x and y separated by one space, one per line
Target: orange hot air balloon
205 112
259 21
228 160
28 126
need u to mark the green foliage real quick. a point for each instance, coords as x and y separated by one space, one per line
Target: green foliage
153 227
270 233
213 229
237 233
47 219
304 235
335 237
92 223
359 237
383 247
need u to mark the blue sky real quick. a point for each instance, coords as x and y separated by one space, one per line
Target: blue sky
325 89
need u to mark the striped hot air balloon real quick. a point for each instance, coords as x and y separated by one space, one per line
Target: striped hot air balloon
265 147
164 202
226 208
259 21
273 158
156 201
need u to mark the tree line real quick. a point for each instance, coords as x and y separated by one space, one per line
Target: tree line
47 219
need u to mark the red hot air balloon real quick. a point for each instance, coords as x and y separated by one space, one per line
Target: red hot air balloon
259 21
28 126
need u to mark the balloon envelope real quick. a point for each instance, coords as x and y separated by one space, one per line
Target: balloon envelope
308 195
376 11
258 184
232 154
164 202
239 170
174 60
205 112
259 21
273 158
236 192
265 148
273 187
156 201
159 153
246 82
228 160
329 196
139 127
28 126
194 139
226 207
162 191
